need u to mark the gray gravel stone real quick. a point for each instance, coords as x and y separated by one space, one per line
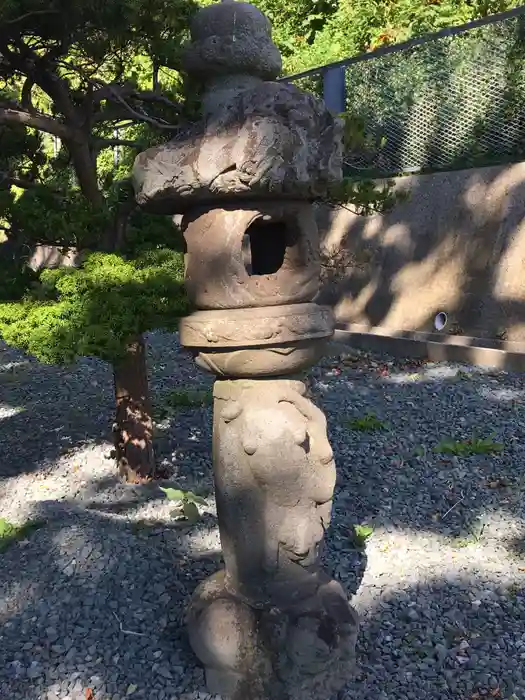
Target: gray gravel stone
95 597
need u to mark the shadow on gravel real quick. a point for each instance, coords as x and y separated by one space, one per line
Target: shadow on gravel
517 546
49 412
97 602
45 428
111 495
93 602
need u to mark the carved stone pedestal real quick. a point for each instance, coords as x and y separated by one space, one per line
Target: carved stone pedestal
272 625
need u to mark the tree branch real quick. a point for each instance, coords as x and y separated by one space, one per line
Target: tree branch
24 183
26 15
13 115
108 143
119 94
7 178
153 96
26 100
140 116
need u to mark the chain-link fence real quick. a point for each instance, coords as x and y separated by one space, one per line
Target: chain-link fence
454 99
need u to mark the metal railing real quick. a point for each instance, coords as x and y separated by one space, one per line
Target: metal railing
444 101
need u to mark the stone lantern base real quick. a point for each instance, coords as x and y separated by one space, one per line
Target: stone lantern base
272 625
252 654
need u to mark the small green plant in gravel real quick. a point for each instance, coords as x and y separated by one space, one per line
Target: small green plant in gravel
186 504
182 398
462 542
362 533
179 399
367 423
471 446
14 375
514 590
474 534
144 528
10 533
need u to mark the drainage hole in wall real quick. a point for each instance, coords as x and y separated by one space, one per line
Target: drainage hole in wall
440 321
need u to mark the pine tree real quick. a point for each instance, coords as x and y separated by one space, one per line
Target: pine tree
83 87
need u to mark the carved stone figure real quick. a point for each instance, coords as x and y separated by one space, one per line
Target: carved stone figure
285 617
271 625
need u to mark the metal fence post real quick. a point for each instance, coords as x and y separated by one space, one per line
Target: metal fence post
334 89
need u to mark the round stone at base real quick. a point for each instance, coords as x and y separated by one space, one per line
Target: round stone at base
270 654
223 634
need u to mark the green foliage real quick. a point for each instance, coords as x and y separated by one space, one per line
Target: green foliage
187 503
96 309
316 33
472 446
9 533
368 423
474 535
365 196
96 28
361 534
55 57
178 399
188 399
296 24
178 496
16 276
21 152
66 219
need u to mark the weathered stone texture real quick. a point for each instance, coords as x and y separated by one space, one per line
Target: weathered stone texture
229 37
271 140
248 328
284 260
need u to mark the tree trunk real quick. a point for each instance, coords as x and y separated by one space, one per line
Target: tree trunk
133 428
85 166
133 425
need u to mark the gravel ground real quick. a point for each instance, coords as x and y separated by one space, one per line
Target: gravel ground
93 598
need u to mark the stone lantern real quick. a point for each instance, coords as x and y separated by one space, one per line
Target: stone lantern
271 625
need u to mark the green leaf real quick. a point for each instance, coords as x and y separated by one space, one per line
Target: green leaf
191 511
194 498
6 528
362 533
174 494
10 533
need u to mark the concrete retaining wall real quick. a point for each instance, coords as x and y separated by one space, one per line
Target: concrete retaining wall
456 245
